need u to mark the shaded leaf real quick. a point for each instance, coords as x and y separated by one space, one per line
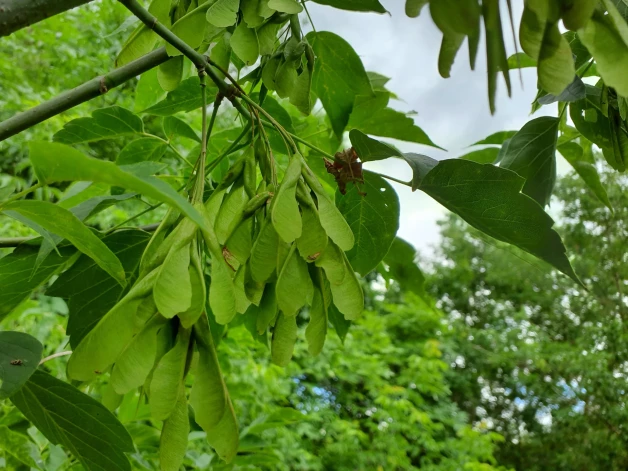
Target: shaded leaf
19 280
142 150
74 420
490 199
403 268
55 162
531 153
574 154
373 218
609 50
339 77
90 291
174 126
354 5
20 354
62 222
105 123
574 92
372 116
190 28
482 156
186 97
496 138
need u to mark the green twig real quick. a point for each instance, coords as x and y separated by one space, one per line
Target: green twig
21 194
232 148
392 179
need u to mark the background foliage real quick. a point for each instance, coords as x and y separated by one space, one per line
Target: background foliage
498 362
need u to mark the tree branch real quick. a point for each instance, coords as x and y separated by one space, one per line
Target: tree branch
18 14
85 92
197 59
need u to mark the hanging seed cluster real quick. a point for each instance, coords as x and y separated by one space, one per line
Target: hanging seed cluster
273 250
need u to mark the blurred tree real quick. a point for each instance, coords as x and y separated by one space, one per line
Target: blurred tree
533 356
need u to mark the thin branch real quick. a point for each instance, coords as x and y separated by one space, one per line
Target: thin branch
94 88
21 194
55 355
392 179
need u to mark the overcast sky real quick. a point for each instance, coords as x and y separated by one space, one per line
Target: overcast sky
454 112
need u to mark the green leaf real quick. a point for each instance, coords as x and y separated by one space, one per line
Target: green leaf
19 279
590 121
245 44
142 150
497 138
414 7
135 362
449 47
284 339
332 221
55 162
209 394
174 126
291 7
20 447
74 420
520 60
556 69
19 358
174 435
316 329
148 91
114 331
170 73
576 13
190 28
168 376
579 51
284 208
294 285
490 199
339 322
62 222
482 156
354 5
173 288
339 77
264 252
372 116
403 268
186 97
223 13
370 149
373 218
455 17
90 291
495 50
105 123
574 92
574 154
617 19
609 50
531 154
